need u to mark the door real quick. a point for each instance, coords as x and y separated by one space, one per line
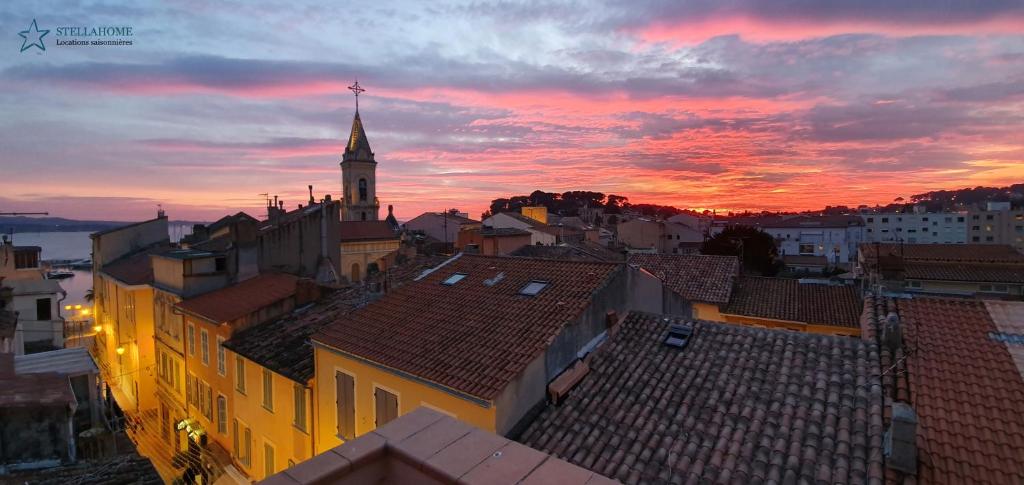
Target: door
386 406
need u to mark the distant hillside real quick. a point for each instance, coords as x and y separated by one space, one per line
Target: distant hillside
18 224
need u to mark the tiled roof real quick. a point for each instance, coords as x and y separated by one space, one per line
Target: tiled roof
136 268
983 272
471 336
488 231
965 386
118 470
804 260
366 231
975 253
585 251
241 299
696 277
37 389
283 345
736 405
788 299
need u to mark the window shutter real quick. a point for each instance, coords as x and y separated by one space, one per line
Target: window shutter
345 393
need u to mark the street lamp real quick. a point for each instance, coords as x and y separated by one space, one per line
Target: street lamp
119 350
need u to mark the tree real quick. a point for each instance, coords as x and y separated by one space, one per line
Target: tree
755 248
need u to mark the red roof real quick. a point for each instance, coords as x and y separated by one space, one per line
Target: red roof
973 253
478 334
965 386
695 277
366 231
241 299
788 299
134 269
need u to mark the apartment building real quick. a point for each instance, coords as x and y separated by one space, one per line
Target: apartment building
996 223
916 227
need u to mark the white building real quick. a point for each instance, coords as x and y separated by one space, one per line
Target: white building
35 298
834 237
916 227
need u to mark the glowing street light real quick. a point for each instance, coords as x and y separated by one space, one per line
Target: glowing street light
97 328
67 307
120 350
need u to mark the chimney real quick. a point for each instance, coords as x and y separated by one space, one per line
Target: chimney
311 199
327 198
611 322
900 445
892 336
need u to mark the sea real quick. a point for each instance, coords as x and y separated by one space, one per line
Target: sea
77 245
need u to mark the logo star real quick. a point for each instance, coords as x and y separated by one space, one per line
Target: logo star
33 37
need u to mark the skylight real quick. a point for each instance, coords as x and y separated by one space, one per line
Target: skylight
533 287
455 278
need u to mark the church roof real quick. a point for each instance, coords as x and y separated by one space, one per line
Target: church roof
358 147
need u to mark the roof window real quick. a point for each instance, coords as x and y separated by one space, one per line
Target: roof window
678 336
533 287
455 278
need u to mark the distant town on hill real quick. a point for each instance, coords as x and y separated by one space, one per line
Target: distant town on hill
16 224
568 203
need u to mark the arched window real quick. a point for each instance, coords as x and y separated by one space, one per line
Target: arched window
362 190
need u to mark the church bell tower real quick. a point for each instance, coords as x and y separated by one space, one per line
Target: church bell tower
358 173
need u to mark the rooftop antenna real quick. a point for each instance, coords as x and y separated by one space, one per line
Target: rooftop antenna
356 89
266 198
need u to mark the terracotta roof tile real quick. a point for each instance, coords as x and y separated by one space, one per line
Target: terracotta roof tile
470 336
736 405
695 277
984 272
283 345
957 369
37 389
974 253
788 299
241 299
366 231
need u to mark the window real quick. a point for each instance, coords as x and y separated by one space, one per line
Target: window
222 415
806 248
988 217
234 439
975 239
247 446
220 264
975 228
362 190
191 339
885 219
208 402
924 219
221 359
533 288
26 259
43 309
985 287
344 399
988 228
974 217
869 229
204 342
268 390
914 284
959 219
871 219
948 219
268 459
455 278
385 407
988 239
240 374
299 418
1000 288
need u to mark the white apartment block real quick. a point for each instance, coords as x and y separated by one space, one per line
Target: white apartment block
916 228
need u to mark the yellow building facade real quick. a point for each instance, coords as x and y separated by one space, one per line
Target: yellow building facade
124 346
357 256
366 378
270 424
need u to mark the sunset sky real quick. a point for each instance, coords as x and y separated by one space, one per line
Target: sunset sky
697 104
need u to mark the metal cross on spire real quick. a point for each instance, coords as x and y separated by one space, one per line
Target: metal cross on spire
356 89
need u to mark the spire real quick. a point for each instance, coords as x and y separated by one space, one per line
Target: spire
358 147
